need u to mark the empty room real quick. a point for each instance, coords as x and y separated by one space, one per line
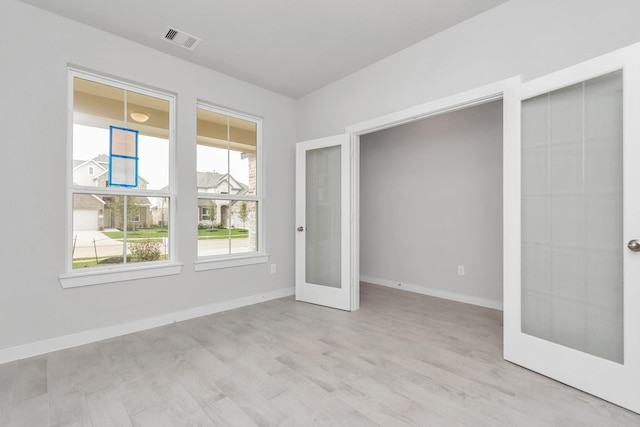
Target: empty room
320 213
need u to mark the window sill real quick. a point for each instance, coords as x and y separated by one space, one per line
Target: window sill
204 264
97 277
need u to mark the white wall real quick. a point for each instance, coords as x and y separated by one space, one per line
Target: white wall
430 200
34 56
528 37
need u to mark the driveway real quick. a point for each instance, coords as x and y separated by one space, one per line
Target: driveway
87 243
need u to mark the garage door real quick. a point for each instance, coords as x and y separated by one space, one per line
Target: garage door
85 219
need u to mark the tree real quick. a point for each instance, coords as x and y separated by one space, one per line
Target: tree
213 213
163 220
244 214
116 205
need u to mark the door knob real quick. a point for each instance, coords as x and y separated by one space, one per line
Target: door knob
634 245
301 228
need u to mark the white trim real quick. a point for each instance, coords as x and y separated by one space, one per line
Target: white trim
126 272
477 96
40 347
511 219
73 277
204 264
207 263
354 249
438 293
113 191
470 98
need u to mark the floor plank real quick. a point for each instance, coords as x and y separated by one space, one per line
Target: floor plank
402 360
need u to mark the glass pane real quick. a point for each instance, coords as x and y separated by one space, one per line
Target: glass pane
99 236
94 215
227 226
212 152
244 226
572 272
242 156
145 240
159 228
98 106
323 217
150 117
95 107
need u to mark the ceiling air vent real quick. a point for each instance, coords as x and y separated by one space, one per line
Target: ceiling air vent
180 38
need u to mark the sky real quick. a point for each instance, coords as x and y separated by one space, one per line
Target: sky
153 154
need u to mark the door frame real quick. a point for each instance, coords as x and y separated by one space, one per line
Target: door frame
504 89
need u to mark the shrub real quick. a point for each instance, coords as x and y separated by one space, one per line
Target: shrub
146 250
204 224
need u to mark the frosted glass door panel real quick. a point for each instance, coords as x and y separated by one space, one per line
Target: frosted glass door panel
572 241
323 217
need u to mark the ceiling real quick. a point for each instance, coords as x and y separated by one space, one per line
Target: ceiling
292 47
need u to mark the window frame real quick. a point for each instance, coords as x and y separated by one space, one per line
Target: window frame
210 262
118 272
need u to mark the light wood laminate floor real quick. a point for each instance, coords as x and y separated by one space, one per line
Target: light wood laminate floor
403 359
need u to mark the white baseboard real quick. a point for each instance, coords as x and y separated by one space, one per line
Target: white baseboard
59 343
482 302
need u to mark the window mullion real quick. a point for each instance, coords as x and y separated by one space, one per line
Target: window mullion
216 196
125 228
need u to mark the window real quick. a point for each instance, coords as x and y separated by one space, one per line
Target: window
116 226
204 214
229 201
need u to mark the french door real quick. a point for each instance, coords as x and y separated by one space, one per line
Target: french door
572 227
324 228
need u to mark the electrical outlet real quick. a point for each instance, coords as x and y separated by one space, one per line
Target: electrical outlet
461 270
273 268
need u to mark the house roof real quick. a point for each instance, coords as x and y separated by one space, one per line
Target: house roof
214 179
143 201
77 163
102 158
210 179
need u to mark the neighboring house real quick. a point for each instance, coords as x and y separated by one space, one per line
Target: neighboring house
95 211
214 182
88 212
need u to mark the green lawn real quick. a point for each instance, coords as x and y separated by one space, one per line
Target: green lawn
221 233
157 233
145 233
